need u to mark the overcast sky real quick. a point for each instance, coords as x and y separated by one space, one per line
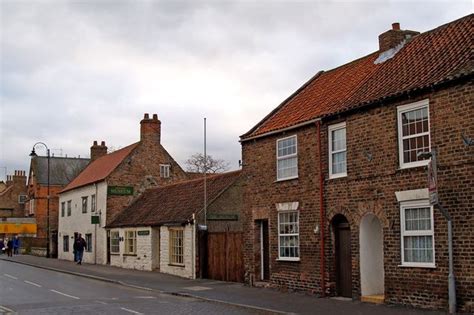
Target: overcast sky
77 71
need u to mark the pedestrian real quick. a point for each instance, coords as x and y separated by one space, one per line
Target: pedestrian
79 246
16 245
2 246
9 247
74 248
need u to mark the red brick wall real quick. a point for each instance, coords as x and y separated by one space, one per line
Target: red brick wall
370 187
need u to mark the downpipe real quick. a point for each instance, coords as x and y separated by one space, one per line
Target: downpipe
451 277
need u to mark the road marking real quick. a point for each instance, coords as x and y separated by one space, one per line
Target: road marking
197 288
131 311
145 297
102 302
10 276
71 296
32 283
6 310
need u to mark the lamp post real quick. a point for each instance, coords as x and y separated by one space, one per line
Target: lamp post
434 200
33 154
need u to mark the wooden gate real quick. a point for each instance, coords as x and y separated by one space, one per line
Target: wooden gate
225 256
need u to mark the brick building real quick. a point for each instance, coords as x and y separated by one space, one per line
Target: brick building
108 185
61 171
12 206
336 199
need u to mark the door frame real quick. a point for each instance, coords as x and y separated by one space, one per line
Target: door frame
340 223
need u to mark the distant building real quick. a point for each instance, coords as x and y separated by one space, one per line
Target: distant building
12 204
61 171
108 185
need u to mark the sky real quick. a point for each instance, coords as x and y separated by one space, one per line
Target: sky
72 72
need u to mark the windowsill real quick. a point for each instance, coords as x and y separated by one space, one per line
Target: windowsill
285 179
130 254
407 265
177 265
336 176
413 165
288 259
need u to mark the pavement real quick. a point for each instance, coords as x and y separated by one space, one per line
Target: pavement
229 293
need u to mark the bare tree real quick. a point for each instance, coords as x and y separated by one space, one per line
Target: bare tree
196 164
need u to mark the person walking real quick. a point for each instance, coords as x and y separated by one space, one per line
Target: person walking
2 246
79 246
16 245
9 247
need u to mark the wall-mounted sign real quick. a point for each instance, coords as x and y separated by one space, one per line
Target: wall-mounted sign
120 190
143 233
222 217
17 228
95 219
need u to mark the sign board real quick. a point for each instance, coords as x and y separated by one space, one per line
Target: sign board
432 182
95 219
222 217
17 228
144 232
120 190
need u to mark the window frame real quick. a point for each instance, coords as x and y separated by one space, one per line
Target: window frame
66 244
63 209
69 208
172 248
112 245
289 235
280 158
404 205
84 203
332 128
93 203
127 239
165 170
87 237
407 108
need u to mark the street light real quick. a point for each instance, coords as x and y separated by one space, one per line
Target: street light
33 154
433 191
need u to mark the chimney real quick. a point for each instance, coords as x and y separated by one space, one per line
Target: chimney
19 178
392 38
150 129
98 150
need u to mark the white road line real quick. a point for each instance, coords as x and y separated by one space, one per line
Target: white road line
145 297
10 276
71 296
6 310
131 311
32 283
102 302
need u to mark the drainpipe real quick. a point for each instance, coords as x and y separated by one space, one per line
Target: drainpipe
451 278
321 211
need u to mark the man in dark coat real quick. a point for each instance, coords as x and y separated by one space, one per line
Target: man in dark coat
79 246
10 247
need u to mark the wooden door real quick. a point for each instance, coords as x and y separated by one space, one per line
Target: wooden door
225 256
343 258
264 251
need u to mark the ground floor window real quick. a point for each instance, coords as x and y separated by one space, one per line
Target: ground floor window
417 234
130 242
114 242
288 235
89 242
177 246
65 243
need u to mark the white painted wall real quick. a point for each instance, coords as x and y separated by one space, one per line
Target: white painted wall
186 271
371 256
81 223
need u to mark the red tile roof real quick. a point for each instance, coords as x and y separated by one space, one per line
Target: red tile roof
430 58
101 168
173 203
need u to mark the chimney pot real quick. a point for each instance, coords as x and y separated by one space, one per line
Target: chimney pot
155 116
396 26
97 151
95 142
146 116
150 129
102 143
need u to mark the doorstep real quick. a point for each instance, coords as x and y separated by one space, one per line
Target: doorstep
375 299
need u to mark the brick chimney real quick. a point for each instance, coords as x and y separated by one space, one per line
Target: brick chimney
150 129
19 178
98 150
391 38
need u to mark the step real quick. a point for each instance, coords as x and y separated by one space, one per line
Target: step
375 299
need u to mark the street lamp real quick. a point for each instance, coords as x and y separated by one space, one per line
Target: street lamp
434 200
33 154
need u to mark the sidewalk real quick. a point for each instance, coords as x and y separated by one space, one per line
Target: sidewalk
216 291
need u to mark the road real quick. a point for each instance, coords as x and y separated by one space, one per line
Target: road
29 290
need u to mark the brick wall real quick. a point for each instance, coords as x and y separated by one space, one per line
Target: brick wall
186 270
369 188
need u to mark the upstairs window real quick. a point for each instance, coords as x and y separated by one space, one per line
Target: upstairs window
114 242
84 204
164 170
413 133
93 203
337 150
287 158
63 208
69 206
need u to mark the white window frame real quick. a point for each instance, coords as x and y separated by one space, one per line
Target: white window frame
291 207
280 158
112 245
84 206
66 247
63 209
164 170
87 237
409 205
69 207
172 254
93 203
331 152
133 239
407 108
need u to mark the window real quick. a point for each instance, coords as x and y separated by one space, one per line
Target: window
176 246
413 133
417 236
31 207
114 242
84 204
337 150
69 205
287 158
65 243
130 242
63 208
93 203
288 235
22 199
164 170
89 242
